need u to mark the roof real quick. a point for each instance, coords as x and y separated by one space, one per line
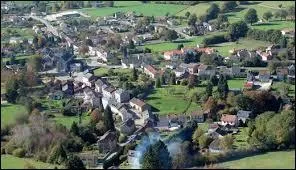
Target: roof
282 70
100 82
249 84
173 52
137 102
264 72
215 144
228 118
110 134
88 75
151 69
202 67
109 89
243 113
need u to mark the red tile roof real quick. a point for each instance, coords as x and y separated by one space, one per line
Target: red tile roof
249 84
151 69
173 52
228 118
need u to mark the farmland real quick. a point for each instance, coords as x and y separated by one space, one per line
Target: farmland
270 160
171 100
137 7
9 112
12 162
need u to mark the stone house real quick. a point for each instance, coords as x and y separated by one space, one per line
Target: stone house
91 98
139 105
229 119
264 75
206 70
107 142
128 127
173 55
121 95
68 88
87 79
99 85
108 92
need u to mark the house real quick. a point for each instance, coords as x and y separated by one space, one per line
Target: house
198 116
265 56
215 146
14 40
173 55
128 127
121 96
139 105
229 119
206 70
87 79
288 31
264 75
281 73
249 85
107 142
76 67
151 71
125 113
243 115
99 85
108 92
216 133
136 60
91 98
291 73
63 61
89 159
192 68
179 72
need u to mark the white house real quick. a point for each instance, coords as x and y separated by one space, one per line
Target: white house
108 92
121 96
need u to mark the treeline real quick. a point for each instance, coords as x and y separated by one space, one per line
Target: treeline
273 36
214 40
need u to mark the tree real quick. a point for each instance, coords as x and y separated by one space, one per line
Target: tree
222 86
74 162
83 49
34 63
173 79
41 42
170 35
226 142
96 116
291 12
192 81
281 13
209 89
57 155
11 89
236 30
162 79
180 46
214 80
192 20
108 119
197 133
89 42
203 141
228 6
213 11
109 3
157 156
283 42
35 42
158 83
74 129
251 16
88 4
267 15
135 74
187 14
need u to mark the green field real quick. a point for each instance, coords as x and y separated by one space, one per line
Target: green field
12 162
165 46
68 120
148 9
102 71
236 83
24 57
9 112
166 102
223 48
270 160
240 139
23 32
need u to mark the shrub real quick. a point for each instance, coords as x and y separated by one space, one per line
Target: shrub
2 150
28 166
122 138
9 148
19 152
214 40
41 156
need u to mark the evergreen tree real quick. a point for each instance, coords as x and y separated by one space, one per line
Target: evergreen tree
222 87
209 89
251 16
74 162
108 119
191 81
150 161
214 80
135 74
162 79
74 129
11 90
283 42
158 83
173 79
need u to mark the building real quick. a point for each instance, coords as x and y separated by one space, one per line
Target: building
139 105
281 73
215 146
243 115
151 71
107 142
121 96
173 55
206 70
265 56
87 79
264 75
128 127
99 85
229 119
108 92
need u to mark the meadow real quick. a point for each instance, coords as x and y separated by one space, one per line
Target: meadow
12 162
9 112
269 160
174 99
136 6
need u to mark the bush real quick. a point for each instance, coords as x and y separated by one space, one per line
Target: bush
2 151
214 40
122 138
10 147
19 152
41 156
28 166
184 82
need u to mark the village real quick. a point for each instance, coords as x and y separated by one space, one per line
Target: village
82 69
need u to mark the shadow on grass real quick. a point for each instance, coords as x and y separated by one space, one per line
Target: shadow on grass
182 41
267 24
153 109
152 98
254 3
238 9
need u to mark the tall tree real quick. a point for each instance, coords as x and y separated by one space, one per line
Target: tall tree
135 74
197 133
162 79
74 129
108 119
209 89
228 6
173 79
192 20
11 89
283 42
222 86
213 11
57 155
226 142
187 14
267 15
192 81
236 30
158 82
251 16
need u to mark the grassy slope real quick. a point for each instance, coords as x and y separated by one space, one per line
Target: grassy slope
9 112
12 162
171 103
68 120
138 7
270 160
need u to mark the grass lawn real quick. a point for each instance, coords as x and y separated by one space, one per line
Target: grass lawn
165 46
24 57
9 112
223 48
102 71
148 9
240 139
23 32
236 83
270 160
165 101
68 120
12 162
